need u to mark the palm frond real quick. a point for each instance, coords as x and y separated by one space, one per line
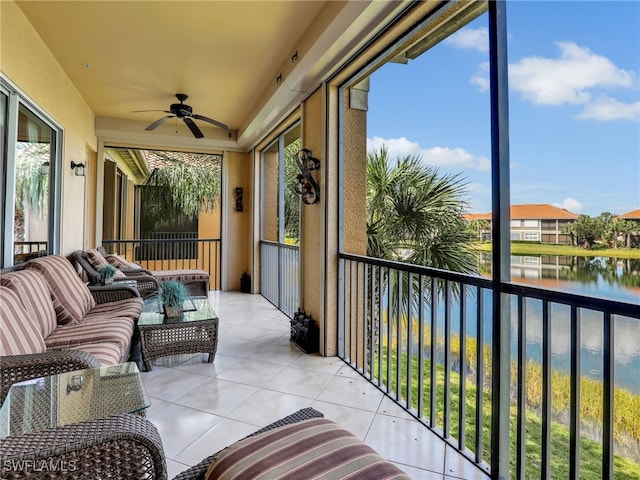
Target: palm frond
178 191
415 214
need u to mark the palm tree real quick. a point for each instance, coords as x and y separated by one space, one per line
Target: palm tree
178 191
415 215
291 198
625 228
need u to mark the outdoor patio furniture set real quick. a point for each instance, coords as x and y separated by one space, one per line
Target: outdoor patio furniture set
56 330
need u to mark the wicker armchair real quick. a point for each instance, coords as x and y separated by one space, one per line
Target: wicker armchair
120 446
197 472
147 284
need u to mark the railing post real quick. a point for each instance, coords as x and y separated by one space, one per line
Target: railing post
341 313
607 396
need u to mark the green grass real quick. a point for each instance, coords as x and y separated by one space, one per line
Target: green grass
522 248
590 451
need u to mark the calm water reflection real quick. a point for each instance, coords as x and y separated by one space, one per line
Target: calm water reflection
595 276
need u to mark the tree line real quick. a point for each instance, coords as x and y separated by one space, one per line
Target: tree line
586 231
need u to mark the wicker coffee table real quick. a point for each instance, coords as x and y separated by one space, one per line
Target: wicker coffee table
72 397
195 331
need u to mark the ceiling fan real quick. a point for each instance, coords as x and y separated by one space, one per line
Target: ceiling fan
185 112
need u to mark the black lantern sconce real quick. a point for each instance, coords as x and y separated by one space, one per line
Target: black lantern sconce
78 168
239 207
307 187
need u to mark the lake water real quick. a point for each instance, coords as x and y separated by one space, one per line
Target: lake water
594 276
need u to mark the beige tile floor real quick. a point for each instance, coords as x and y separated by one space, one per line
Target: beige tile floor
258 376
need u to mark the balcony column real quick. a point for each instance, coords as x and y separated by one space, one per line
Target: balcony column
501 346
312 217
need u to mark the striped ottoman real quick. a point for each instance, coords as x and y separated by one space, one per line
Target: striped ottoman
196 281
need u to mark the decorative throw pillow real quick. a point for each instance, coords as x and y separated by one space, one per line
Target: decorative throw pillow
32 290
95 258
20 333
121 262
314 449
72 299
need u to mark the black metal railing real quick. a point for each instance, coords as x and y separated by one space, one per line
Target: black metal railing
172 254
280 275
424 337
23 251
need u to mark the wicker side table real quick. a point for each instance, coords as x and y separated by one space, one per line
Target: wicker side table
195 331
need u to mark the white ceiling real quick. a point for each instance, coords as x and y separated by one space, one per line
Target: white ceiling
226 55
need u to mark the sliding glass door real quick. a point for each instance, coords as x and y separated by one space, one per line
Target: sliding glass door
29 151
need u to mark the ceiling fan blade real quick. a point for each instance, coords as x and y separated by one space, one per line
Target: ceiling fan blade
211 120
141 111
159 122
193 127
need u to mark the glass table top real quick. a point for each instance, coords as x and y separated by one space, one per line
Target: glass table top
72 397
195 309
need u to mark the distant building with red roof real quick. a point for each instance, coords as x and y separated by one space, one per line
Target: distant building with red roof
632 215
534 222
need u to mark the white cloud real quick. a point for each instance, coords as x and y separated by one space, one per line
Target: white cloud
570 204
567 79
440 157
481 77
607 108
397 147
474 38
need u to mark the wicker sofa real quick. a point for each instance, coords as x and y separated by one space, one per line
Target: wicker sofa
53 323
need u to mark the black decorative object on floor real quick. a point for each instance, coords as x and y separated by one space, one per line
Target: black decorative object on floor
245 283
304 332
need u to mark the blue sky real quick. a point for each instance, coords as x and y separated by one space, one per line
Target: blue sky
574 106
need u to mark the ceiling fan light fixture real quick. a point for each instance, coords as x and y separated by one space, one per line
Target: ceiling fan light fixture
185 113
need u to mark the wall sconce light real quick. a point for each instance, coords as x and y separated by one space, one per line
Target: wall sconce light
74 384
307 187
78 167
239 207
44 168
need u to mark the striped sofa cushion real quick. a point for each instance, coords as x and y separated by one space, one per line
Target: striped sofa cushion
33 291
116 330
311 449
106 353
128 307
72 299
19 333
